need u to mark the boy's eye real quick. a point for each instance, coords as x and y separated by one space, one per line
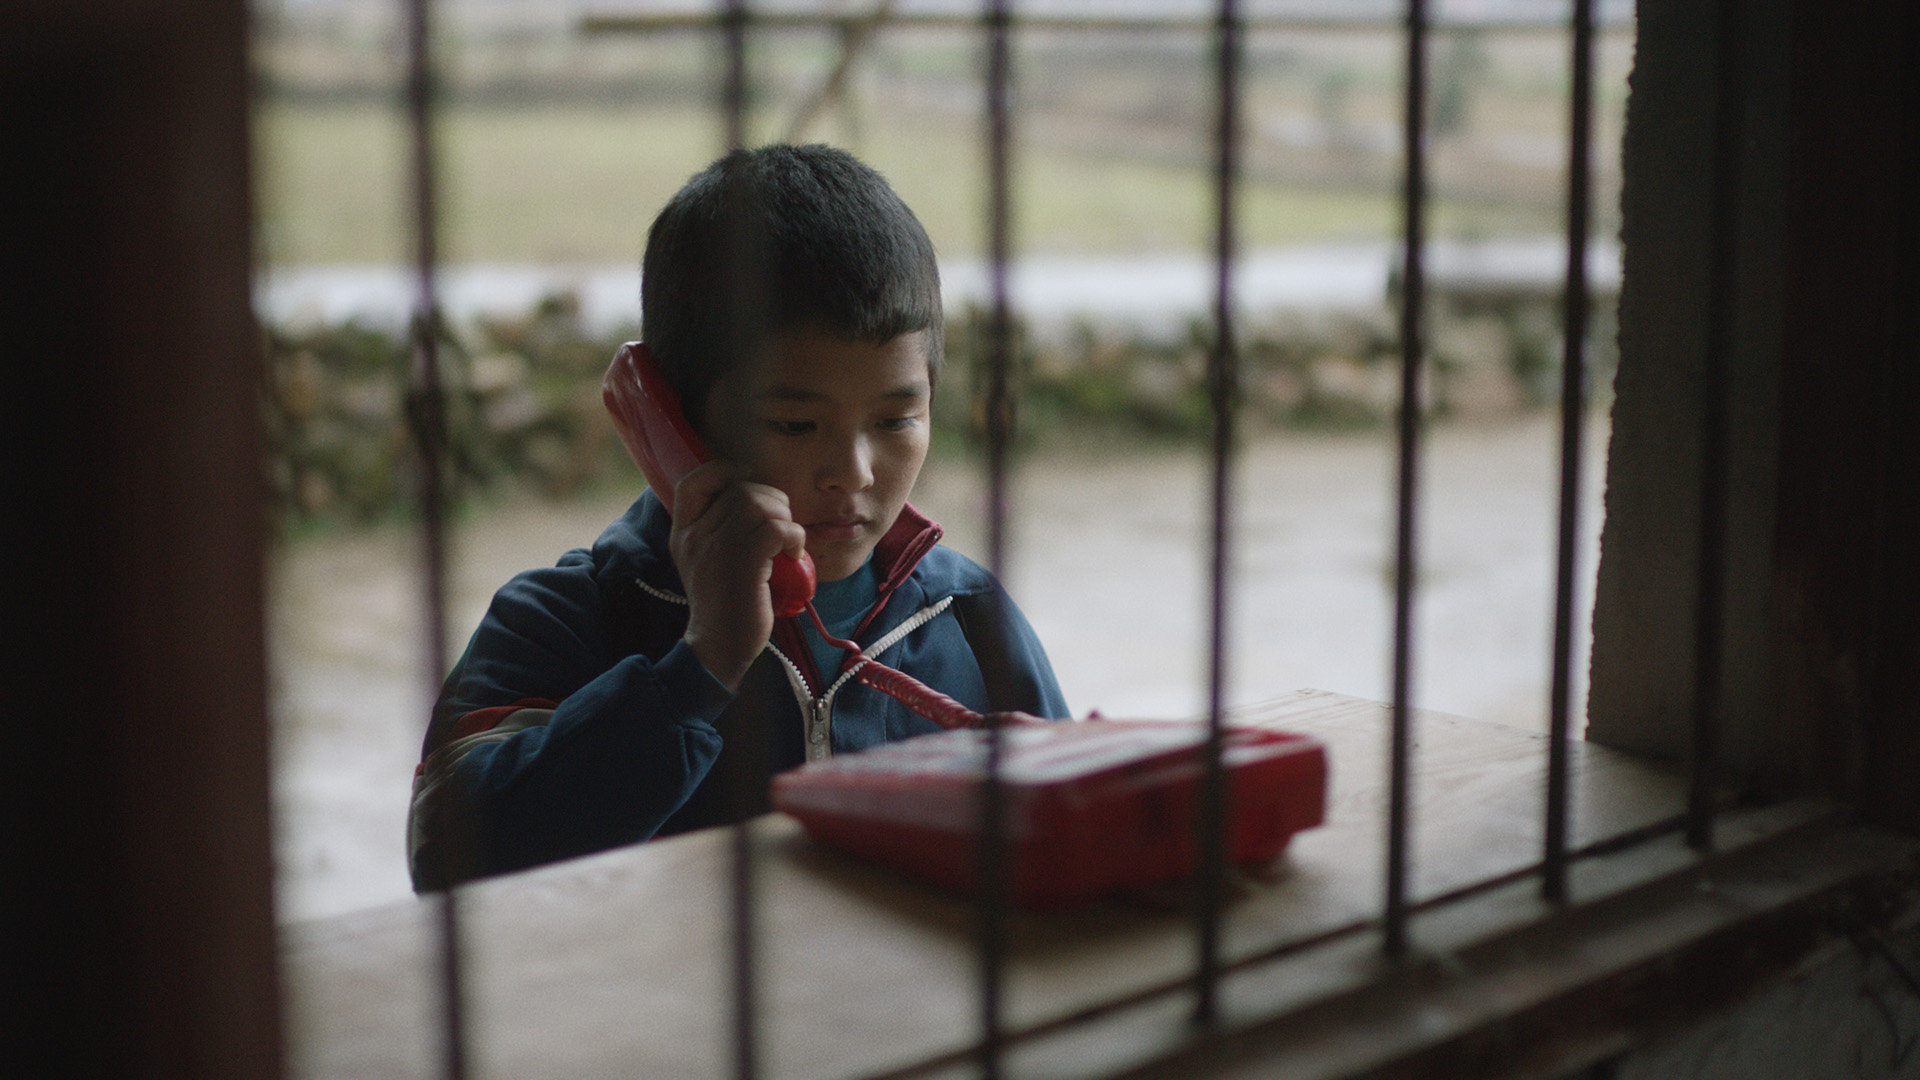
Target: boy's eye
790 427
899 423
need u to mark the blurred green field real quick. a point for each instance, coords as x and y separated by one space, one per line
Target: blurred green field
561 149
579 183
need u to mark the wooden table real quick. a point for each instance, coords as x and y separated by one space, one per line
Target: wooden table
615 964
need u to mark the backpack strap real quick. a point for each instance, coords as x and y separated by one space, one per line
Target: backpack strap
1006 663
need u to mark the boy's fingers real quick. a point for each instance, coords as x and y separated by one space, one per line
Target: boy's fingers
697 490
795 535
771 505
712 501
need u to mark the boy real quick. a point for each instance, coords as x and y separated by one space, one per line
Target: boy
644 687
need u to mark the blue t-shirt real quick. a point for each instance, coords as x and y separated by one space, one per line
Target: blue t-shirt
842 604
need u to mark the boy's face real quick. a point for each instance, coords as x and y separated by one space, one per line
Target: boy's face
840 426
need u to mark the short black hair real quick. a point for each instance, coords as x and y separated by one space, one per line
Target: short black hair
779 238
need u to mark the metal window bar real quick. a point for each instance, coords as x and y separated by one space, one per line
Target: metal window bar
1412 301
426 414
1211 821
1573 407
743 973
1710 564
992 880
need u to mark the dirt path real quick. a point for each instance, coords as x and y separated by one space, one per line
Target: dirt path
1109 562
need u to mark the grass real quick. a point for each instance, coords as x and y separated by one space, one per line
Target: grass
580 182
587 136
518 184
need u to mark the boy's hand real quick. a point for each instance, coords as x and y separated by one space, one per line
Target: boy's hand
726 531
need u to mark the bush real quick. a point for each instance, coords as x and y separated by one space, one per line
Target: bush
522 395
521 407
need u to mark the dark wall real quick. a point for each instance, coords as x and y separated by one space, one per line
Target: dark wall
1847 576
1820 626
139 931
1643 662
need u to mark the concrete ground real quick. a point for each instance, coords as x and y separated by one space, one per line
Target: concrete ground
1109 561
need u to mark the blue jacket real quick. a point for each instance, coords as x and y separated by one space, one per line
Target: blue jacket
577 720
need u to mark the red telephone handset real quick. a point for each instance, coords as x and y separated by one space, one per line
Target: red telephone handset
646 412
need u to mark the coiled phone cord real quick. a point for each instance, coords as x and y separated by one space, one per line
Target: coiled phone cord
911 692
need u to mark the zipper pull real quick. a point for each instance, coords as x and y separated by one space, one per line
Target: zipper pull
820 729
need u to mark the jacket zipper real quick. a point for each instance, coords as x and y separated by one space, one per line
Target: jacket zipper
817 712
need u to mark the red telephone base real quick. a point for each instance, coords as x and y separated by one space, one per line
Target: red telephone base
1091 806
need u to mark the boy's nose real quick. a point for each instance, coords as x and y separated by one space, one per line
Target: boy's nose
849 467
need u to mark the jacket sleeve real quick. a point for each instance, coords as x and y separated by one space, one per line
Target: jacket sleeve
1012 661
544 745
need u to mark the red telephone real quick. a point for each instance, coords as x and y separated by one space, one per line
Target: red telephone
646 411
1091 807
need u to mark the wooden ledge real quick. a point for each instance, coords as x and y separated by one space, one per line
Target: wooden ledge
616 964
1504 986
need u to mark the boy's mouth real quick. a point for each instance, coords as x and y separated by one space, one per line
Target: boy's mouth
837 530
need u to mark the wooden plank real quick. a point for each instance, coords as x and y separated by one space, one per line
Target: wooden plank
614 964
1319 1012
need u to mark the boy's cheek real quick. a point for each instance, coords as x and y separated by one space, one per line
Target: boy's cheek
762 461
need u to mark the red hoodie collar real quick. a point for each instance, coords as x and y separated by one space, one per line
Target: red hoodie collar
913 535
